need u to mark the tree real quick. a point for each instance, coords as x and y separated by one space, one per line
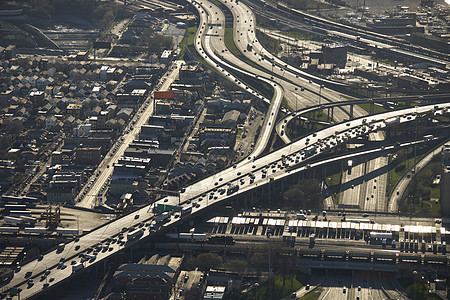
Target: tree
236 265
307 194
207 261
257 260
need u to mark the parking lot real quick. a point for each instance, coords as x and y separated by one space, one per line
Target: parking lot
291 226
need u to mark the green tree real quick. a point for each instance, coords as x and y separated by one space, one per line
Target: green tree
306 194
207 261
236 265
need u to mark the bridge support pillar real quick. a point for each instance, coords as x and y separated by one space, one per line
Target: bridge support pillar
351 111
332 113
372 108
104 266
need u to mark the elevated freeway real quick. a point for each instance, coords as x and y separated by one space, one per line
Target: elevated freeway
297 18
257 170
204 194
284 121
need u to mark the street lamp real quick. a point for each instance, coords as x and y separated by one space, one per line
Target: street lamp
320 92
256 293
414 286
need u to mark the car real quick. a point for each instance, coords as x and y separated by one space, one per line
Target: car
40 257
307 287
45 285
344 290
359 288
365 215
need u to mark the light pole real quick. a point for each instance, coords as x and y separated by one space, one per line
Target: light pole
414 286
320 92
256 293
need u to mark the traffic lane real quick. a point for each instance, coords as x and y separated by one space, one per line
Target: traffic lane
421 109
113 156
260 145
257 150
278 98
242 41
336 127
351 185
52 258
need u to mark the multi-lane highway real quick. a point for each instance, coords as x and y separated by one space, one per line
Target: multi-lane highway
255 171
207 192
208 40
89 195
301 89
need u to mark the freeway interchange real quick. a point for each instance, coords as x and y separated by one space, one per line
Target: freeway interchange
255 171
204 194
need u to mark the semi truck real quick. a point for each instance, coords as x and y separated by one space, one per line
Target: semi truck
30 220
20 213
13 220
67 231
35 230
134 234
392 121
9 229
232 189
301 217
76 267
164 217
428 137
61 247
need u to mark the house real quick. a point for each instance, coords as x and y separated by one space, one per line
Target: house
152 278
125 113
88 156
231 118
229 280
50 122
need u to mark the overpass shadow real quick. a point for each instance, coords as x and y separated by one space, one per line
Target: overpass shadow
369 176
